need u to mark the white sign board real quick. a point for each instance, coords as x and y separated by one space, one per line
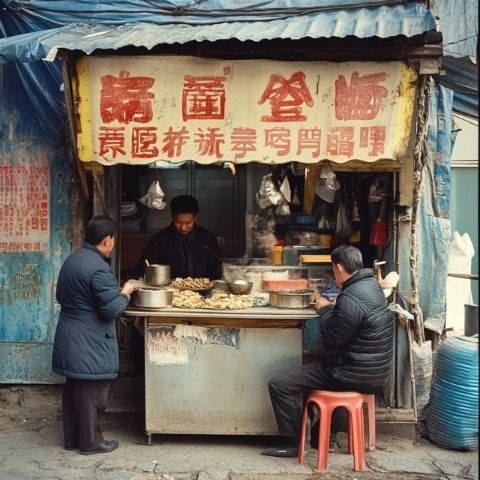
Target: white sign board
141 109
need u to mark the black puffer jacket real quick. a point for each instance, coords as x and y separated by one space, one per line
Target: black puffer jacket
194 255
358 333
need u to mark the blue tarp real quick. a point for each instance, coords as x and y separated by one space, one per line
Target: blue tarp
434 231
461 76
141 28
192 12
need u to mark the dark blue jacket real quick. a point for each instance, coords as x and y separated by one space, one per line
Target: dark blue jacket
358 333
85 345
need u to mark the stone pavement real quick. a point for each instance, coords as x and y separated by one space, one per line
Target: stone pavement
34 452
31 448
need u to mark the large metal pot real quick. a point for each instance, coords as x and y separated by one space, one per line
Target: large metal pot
153 297
157 275
291 298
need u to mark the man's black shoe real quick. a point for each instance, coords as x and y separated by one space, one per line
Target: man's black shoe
287 452
104 447
70 446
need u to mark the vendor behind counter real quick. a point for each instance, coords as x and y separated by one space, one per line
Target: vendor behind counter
190 250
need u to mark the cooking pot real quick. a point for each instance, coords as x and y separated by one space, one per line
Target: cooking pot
291 298
153 297
157 275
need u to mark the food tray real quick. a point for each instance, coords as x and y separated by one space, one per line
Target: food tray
290 284
202 291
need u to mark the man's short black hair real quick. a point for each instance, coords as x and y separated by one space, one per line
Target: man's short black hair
98 228
350 257
184 204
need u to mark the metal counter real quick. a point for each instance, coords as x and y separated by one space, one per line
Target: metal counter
207 371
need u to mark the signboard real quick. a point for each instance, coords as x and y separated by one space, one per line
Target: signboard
24 207
140 109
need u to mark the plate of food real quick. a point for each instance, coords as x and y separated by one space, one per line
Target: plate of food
201 285
227 301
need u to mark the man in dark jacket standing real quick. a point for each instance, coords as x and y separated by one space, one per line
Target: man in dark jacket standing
190 250
357 342
85 348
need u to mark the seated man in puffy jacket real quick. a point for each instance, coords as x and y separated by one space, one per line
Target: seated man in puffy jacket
357 347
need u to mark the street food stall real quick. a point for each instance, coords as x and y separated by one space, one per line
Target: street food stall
287 157
212 346
282 180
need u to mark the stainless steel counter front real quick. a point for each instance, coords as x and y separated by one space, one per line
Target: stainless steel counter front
207 371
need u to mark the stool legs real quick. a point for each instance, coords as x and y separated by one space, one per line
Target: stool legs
303 434
323 436
369 399
356 425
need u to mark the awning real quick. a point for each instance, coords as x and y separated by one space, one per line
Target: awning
384 21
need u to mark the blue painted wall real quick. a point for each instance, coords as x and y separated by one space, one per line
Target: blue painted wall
32 124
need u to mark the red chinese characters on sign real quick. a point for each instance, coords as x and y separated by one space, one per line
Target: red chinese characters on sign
143 142
126 99
111 141
309 138
375 137
279 139
340 141
239 135
362 99
208 144
173 141
286 98
243 140
203 98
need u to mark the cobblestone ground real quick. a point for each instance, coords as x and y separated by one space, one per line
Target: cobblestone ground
31 449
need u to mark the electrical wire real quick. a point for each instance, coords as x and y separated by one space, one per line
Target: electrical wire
461 40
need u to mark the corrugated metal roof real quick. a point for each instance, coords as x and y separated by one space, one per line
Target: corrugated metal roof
385 21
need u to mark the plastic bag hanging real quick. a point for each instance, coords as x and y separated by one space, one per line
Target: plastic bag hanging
327 183
154 197
267 193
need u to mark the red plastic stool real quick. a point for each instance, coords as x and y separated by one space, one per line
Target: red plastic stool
327 402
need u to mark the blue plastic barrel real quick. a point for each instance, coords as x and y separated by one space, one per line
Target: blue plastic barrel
452 415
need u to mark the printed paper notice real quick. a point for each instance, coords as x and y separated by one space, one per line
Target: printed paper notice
165 349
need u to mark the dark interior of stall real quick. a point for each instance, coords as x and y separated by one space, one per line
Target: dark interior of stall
276 214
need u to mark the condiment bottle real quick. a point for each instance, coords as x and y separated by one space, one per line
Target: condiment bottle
277 255
289 256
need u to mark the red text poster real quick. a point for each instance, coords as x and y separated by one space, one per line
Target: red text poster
24 208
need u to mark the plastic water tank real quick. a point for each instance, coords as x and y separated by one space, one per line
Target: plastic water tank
452 415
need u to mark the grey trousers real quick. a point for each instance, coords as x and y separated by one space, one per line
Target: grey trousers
82 401
287 391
